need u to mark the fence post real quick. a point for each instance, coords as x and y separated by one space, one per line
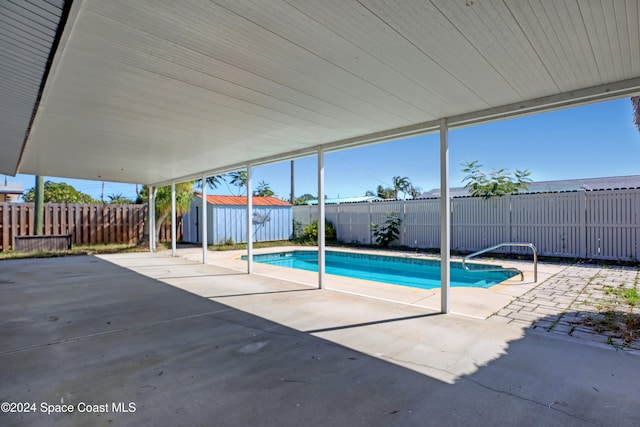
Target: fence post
403 229
336 226
582 229
507 227
4 207
369 223
637 224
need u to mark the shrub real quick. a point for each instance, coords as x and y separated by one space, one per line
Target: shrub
310 233
389 231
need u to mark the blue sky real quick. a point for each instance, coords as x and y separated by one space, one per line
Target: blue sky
591 141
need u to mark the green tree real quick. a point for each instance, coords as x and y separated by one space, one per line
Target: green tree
386 233
400 183
497 183
239 180
263 190
119 199
384 193
184 194
212 181
60 192
302 200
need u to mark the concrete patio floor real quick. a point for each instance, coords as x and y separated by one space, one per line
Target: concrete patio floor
192 344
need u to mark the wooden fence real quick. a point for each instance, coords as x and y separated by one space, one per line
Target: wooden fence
87 224
584 224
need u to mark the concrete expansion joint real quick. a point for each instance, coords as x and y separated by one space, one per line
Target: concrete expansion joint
554 405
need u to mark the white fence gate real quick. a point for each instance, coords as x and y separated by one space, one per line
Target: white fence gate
584 224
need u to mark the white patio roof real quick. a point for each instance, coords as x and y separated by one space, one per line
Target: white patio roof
155 90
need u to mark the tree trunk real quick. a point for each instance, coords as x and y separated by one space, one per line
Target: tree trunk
159 223
144 240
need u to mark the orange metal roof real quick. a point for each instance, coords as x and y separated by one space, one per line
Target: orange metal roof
242 200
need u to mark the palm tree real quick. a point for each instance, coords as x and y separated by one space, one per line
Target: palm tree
239 179
400 184
184 194
415 191
635 103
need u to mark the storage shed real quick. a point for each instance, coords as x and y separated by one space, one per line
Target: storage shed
227 219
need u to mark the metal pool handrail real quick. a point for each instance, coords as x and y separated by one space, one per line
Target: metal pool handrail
529 245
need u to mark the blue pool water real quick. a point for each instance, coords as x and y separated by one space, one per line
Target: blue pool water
416 273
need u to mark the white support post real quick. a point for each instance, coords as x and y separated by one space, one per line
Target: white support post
445 219
204 219
153 223
321 239
173 218
151 216
249 220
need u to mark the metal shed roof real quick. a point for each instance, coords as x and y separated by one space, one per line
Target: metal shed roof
242 200
155 90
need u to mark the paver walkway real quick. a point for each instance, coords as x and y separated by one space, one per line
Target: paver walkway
564 303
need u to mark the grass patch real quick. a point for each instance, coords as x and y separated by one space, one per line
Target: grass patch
232 246
617 318
79 250
629 296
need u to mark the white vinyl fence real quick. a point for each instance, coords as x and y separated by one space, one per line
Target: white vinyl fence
584 224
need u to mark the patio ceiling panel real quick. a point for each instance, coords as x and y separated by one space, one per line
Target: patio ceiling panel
215 61
358 41
583 42
27 31
155 90
418 25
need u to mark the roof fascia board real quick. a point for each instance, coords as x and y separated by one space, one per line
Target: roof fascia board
574 98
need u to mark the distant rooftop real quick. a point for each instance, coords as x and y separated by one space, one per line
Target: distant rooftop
584 184
11 188
346 200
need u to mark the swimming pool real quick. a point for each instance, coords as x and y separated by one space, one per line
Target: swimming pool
412 272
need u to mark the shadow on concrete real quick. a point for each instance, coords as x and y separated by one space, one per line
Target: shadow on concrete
195 276
376 322
135 351
262 293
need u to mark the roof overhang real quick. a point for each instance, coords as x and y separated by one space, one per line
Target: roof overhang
155 91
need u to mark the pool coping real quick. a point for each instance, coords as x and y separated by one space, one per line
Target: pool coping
478 303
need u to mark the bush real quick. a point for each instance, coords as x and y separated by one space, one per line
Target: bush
298 231
389 231
310 233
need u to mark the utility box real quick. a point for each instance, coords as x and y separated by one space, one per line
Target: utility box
53 242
